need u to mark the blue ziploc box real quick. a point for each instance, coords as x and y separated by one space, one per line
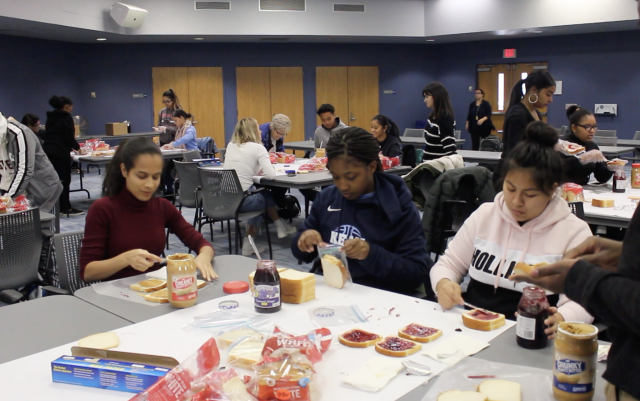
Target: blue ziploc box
208 162
112 370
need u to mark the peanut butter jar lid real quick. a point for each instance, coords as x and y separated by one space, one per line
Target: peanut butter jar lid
235 287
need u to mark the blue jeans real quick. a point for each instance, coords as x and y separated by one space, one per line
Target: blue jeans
257 201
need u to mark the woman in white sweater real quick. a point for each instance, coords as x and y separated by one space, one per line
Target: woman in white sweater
246 154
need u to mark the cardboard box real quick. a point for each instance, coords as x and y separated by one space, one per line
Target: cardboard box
112 370
116 129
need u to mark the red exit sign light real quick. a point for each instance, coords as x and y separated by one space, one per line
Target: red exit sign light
509 53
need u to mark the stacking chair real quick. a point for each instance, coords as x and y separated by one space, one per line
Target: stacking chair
20 247
562 131
413 133
636 152
605 140
207 146
191 155
608 133
457 134
67 246
222 197
577 208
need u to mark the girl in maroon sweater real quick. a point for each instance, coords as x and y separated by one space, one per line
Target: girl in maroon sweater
124 230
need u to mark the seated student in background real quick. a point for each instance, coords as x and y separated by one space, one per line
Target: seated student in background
330 125
248 157
582 126
438 134
186 134
24 167
528 222
371 214
33 123
387 134
124 231
273 132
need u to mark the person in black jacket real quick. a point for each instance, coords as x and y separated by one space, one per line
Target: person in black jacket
438 134
59 141
479 122
583 127
523 109
387 134
604 277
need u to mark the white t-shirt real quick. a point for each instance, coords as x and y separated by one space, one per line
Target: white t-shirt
248 159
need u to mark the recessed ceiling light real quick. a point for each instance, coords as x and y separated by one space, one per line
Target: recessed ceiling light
431 40
198 38
101 39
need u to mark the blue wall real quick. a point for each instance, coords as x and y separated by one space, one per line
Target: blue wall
116 71
31 71
594 68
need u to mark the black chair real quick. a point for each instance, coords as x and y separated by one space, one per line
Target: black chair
207 146
577 208
20 248
67 249
187 173
191 155
222 198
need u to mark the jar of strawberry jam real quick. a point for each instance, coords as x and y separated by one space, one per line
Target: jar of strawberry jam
533 310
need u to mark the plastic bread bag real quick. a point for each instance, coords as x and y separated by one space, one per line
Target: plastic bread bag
219 320
569 148
184 377
286 372
258 328
572 192
616 165
468 374
322 316
592 156
20 204
225 385
335 267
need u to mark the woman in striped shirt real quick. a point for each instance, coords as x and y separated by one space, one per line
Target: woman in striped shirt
438 134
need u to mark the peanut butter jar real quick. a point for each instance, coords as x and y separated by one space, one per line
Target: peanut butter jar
182 283
574 369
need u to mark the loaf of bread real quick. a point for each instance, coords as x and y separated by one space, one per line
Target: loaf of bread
603 202
253 273
500 390
100 341
149 285
335 272
297 287
457 395
479 319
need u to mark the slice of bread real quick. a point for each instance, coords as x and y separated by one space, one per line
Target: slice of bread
161 297
419 333
479 319
225 339
357 338
603 202
523 268
297 299
201 283
100 341
397 347
457 395
246 353
149 285
335 272
501 390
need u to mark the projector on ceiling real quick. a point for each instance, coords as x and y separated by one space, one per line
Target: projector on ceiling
127 15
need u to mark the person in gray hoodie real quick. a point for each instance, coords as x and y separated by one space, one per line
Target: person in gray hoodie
330 125
25 168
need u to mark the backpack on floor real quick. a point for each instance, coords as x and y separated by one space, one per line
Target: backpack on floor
290 209
491 144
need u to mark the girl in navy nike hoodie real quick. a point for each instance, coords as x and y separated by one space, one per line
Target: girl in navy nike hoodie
371 214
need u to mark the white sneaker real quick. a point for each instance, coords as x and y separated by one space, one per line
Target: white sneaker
284 229
247 249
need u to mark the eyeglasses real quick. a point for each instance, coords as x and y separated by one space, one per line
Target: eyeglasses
589 127
280 133
167 101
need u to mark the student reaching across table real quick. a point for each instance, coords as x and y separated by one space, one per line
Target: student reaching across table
124 231
527 222
371 214
387 134
438 133
186 134
273 132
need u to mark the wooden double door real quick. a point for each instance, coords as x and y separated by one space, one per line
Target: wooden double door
199 90
497 81
353 91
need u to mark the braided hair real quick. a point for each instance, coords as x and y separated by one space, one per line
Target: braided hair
356 143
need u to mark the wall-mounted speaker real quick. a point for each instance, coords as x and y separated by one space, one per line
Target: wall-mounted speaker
127 15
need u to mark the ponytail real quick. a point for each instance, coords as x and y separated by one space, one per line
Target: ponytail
392 128
539 79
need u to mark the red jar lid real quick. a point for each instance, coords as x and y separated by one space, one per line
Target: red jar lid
635 165
235 287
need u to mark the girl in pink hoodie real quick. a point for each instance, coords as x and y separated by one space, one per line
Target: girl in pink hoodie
527 222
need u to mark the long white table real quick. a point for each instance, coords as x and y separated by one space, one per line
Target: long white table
615 151
30 327
309 146
610 217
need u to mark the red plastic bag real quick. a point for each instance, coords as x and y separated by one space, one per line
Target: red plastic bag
181 379
20 204
273 158
215 386
313 345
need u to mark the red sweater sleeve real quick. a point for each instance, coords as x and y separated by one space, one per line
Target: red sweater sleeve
96 234
185 231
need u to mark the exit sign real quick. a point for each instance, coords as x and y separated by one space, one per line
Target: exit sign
509 53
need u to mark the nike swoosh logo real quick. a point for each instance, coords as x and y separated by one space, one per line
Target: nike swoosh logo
333 210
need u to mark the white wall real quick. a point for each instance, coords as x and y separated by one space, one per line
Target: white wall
446 17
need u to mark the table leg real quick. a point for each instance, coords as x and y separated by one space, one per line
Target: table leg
81 184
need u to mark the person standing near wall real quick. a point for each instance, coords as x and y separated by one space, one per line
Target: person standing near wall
479 122
438 134
539 87
166 125
59 141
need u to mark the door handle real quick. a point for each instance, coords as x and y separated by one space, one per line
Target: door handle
195 122
351 117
